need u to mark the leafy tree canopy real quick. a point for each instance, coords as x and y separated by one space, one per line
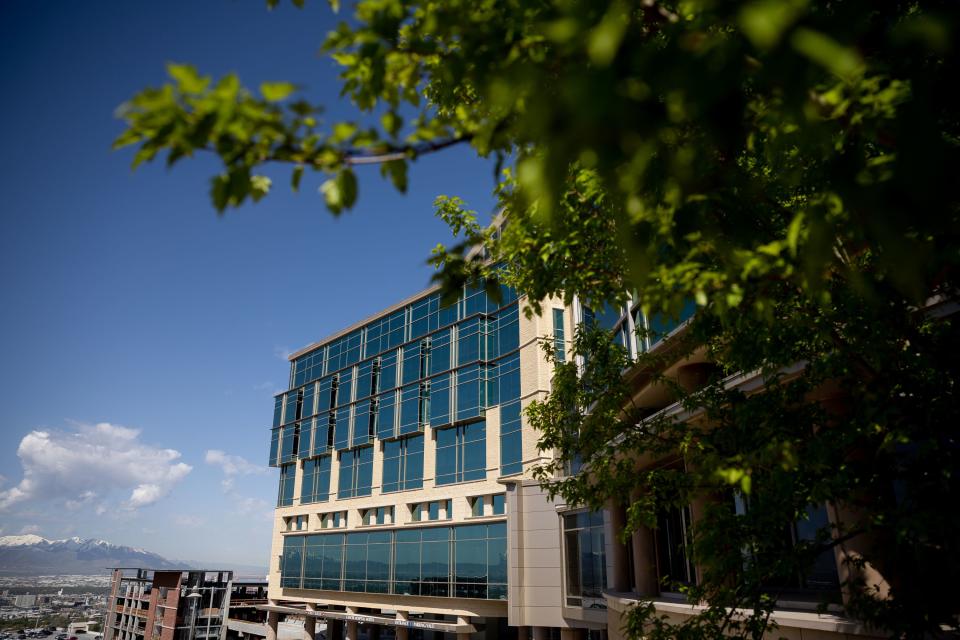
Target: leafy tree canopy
789 165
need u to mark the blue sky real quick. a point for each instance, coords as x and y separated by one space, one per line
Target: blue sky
139 331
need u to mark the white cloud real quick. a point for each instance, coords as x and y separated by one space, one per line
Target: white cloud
255 507
188 521
30 528
93 460
82 500
232 465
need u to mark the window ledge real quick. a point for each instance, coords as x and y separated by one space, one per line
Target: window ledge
621 602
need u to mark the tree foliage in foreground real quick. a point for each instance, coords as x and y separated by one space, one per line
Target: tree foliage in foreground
789 165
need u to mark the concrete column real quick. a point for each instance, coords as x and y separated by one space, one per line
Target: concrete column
618 574
334 629
541 633
403 633
463 620
851 566
310 623
645 562
273 619
351 631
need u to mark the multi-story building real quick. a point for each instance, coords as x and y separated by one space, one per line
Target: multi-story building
404 469
189 604
406 499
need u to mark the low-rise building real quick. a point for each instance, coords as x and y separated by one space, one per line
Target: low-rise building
189 604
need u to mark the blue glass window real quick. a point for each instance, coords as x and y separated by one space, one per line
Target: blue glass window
289 439
315 485
411 363
470 341
403 464
585 559
356 473
287 477
341 437
291 565
344 387
471 392
439 413
396 330
660 325
559 341
362 428
386 410
274 446
325 394
277 410
290 406
365 379
440 352
388 371
410 409
461 453
306 438
424 316
499 504
449 314
307 368
465 561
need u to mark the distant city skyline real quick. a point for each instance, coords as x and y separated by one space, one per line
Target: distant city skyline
142 335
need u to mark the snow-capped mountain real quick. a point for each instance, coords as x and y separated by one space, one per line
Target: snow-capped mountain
34 555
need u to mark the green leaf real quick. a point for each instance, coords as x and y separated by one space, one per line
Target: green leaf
296 177
343 131
397 171
276 91
188 80
765 21
259 187
604 40
842 61
340 192
391 122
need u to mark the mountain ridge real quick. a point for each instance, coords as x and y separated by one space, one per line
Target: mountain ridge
31 554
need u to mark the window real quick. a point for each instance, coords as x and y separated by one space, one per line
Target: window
461 453
471 392
476 506
403 464
274 446
288 474
499 504
356 473
434 510
559 342
333 520
377 515
291 562
511 424
821 577
438 413
295 523
585 560
315 484
322 562
672 539
465 561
